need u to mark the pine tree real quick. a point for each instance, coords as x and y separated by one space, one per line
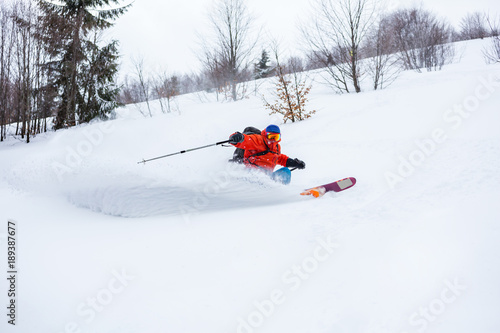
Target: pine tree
79 61
262 69
100 94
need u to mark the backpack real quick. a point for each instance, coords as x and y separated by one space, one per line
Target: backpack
238 152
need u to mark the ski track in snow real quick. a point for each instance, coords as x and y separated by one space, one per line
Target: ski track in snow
141 201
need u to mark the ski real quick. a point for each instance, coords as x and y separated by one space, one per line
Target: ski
338 186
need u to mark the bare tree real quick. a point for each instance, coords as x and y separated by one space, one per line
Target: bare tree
423 40
144 83
473 26
130 92
166 87
227 53
492 52
215 74
6 46
28 78
24 64
381 62
335 37
188 83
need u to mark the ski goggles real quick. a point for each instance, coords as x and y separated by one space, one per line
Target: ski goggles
273 136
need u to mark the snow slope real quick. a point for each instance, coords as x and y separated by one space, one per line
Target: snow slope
192 244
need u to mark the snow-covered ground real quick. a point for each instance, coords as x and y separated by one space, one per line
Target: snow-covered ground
192 244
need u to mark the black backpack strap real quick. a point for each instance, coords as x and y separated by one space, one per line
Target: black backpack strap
262 153
268 151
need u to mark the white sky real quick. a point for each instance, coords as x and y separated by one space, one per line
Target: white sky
163 32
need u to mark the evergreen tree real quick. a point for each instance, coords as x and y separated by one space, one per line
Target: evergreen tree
99 95
262 69
84 70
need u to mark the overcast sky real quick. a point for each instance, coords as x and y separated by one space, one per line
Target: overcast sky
164 32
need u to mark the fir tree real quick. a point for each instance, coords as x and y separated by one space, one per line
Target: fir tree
100 94
262 69
84 70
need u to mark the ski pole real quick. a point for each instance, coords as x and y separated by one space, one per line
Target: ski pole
183 151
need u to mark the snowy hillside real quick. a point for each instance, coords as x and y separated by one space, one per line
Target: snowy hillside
192 244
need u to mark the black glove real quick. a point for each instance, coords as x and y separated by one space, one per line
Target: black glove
295 163
236 138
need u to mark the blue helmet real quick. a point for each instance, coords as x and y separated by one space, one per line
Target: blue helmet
273 129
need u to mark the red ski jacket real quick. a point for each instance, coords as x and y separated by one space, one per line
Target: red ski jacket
259 152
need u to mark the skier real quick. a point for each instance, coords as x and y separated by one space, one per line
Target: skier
263 151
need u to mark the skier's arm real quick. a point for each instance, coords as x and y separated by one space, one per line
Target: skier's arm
282 158
243 141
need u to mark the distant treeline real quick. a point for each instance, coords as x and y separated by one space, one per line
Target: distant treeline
56 69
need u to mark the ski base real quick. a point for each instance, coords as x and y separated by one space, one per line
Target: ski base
338 186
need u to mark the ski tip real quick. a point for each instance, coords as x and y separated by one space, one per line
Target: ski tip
315 192
343 184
